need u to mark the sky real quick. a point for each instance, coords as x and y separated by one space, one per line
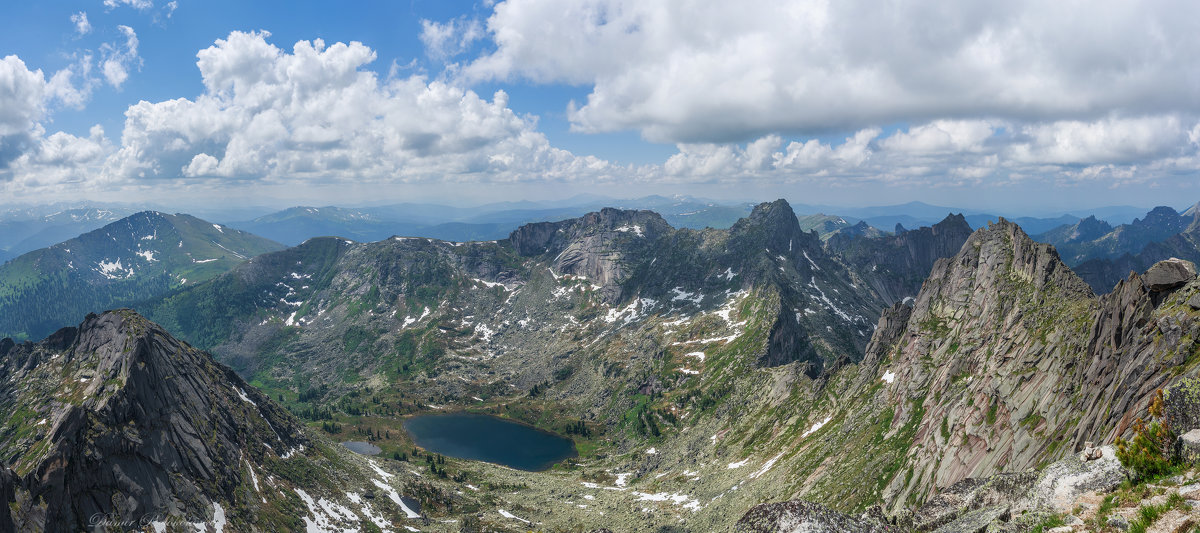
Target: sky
1017 106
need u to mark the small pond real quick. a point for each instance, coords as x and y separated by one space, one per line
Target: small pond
491 439
364 448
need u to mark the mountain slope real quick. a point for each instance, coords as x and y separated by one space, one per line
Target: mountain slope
116 419
138 257
895 266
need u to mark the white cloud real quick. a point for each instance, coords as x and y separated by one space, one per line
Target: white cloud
140 5
80 20
446 40
317 114
682 71
118 59
943 136
1115 140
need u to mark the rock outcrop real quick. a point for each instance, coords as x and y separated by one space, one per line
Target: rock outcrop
798 516
1009 360
118 420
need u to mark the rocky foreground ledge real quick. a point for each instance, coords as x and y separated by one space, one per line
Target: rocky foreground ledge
1075 494
1087 491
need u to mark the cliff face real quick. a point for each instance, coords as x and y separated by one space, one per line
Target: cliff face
117 419
1008 361
895 266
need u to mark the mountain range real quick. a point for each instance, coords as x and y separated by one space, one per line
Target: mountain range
702 372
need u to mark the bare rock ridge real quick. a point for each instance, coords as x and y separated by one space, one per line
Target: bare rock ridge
132 424
1007 362
1028 365
636 254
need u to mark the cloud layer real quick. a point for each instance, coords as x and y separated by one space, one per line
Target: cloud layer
681 71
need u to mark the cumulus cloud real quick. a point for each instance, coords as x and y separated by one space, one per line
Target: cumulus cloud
82 26
118 59
140 5
316 113
681 71
445 40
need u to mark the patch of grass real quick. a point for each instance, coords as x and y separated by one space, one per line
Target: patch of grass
1049 523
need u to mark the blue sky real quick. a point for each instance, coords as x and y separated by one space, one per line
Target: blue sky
1021 107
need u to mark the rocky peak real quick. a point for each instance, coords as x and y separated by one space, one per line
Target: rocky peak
952 223
896 265
552 237
599 246
1032 261
1089 228
774 226
1160 215
128 410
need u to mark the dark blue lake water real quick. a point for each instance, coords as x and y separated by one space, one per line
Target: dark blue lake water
491 439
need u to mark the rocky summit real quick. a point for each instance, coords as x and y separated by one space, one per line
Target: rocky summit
115 425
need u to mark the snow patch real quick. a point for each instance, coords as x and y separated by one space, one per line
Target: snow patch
507 514
766 466
113 270
738 464
218 226
816 426
325 515
242 395
383 473
889 376
395 497
683 500
686 296
148 255
810 261
636 229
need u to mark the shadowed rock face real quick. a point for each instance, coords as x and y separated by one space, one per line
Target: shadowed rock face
134 423
895 266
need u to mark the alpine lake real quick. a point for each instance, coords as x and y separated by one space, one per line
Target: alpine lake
488 438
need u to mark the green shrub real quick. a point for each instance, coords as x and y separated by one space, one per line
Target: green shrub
1149 454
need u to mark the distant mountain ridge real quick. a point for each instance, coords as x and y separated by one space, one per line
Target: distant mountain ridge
138 257
1091 239
490 222
26 231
